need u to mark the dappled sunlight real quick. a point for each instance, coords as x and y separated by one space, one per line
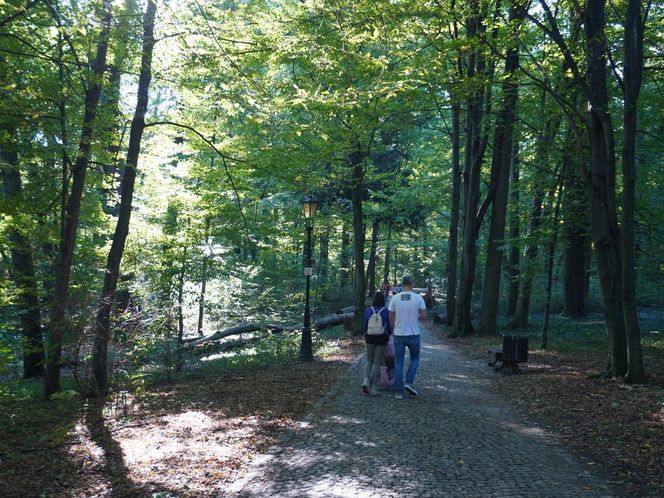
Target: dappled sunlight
230 354
526 430
347 420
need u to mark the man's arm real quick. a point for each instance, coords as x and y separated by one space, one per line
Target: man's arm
423 309
392 315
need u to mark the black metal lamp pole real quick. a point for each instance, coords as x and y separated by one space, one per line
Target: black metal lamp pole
306 350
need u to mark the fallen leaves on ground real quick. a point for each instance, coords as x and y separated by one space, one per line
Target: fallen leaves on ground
617 427
191 438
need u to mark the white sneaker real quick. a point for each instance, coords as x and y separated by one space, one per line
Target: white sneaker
398 396
410 389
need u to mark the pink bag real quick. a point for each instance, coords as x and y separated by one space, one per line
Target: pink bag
386 376
389 349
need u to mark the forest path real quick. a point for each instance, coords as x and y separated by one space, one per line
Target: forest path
456 439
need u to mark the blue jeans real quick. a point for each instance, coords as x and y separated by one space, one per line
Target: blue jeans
401 342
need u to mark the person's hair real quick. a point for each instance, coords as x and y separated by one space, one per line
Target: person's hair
378 299
407 281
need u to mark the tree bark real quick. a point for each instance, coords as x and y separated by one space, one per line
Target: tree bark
243 328
344 256
371 266
551 250
577 243
23 270
521 316
453 243
204 274
102 329
632 76
500 175
57 324
602 185
323 260
388 250
515 229
357 173
471 179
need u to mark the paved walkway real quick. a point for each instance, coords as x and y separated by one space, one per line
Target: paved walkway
455 439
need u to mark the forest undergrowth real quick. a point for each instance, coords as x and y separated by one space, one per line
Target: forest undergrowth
188 437
616 427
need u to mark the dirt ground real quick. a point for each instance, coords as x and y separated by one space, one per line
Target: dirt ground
185 439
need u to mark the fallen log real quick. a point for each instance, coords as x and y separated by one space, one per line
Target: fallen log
243 328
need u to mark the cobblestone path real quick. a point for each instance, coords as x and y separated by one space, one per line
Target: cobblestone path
456 439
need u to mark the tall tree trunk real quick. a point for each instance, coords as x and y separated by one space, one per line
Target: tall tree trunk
58 325
324 257
102 329
551 249
521 316
577 243
357 173
515 229
388 250
602 184
500 175
181 279
471 178
633 71
344 256
204 275
23 269
371 266
453 242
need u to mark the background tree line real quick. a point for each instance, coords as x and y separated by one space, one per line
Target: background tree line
154 154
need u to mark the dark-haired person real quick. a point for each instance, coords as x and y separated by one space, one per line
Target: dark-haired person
377 332
406 309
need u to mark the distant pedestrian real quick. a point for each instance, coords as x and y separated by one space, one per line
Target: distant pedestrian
406 309
386 288
377 331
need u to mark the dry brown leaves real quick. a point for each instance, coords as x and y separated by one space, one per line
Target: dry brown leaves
188 439
616 426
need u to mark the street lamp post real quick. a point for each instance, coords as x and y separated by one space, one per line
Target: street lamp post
309 206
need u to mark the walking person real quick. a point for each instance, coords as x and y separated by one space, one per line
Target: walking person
377 331
406 309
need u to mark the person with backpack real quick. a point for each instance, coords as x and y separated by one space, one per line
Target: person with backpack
377 331
406 309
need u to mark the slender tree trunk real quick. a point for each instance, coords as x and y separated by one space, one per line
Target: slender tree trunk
388 247
204 275
357 173
57 325
602 184
453 243
515 229
471 181
633 70
183 271
500 174
344 256
102 329
521 317
551 250
23 266
323 260
371 266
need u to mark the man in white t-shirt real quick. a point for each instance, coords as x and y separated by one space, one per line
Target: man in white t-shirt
406 308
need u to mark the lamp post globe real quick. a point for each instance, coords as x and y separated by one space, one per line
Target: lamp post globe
309 207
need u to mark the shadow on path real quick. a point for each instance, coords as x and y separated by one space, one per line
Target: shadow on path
456 439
